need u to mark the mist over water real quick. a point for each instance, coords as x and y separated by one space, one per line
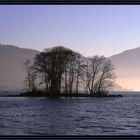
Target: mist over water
70 116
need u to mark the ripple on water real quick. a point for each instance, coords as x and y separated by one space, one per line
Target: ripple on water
75 116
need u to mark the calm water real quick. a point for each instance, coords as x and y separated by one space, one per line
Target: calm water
70 116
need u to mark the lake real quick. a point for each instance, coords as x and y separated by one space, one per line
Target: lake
70 116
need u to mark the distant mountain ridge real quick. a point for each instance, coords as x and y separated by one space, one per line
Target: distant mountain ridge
127 66
12 70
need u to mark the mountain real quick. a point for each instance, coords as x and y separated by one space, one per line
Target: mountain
117 87
12 70
127 66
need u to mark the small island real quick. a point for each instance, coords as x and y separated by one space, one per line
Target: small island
41 94
62 72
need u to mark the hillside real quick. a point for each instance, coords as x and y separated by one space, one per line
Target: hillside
12 70
127 66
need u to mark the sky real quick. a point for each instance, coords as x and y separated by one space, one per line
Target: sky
88 29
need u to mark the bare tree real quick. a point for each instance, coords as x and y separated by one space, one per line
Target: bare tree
62 69
30 77
80 68
106 78
52 63
41 65
99 74
72 73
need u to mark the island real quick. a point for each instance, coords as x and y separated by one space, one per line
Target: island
62 72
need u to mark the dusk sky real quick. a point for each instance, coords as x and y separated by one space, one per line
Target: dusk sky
89 29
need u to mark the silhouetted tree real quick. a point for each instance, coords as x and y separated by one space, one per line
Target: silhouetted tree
99 74
30 77
106 78
51 63
64 70
80 68
58 57
42 67
72 73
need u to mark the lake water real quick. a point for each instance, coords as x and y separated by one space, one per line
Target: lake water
70 116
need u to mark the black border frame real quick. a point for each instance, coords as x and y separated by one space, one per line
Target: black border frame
68 137
70 2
